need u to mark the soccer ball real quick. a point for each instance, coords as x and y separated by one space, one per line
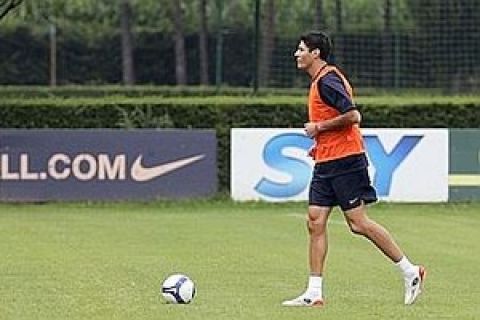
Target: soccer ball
178 288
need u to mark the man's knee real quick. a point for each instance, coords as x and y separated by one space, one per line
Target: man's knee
316 223
359 225
356 228
357 220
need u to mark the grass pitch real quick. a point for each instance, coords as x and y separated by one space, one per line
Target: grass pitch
107 261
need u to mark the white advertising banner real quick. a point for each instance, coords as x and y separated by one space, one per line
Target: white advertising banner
405 164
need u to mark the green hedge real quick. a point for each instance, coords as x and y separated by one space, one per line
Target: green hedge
101 91
223 113
72 91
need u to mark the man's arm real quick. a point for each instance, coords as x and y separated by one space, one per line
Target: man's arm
332 91
346 119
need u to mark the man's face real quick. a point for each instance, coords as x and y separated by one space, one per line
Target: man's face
303 56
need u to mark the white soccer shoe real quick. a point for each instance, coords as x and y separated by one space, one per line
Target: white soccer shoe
304 301
413 286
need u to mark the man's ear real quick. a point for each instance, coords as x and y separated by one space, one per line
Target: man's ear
316 52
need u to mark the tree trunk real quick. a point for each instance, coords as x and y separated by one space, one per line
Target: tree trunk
338 43
268 42
179 39
128 71
388 47
203 42
338 16
318 19
387 18
53 54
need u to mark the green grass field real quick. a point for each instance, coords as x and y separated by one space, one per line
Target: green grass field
107 261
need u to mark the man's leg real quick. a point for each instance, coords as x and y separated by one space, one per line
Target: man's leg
359 223
317 219
318 245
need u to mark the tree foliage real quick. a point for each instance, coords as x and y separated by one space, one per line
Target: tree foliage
97 17
438 37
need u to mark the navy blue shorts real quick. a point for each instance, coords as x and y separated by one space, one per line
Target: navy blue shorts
346 190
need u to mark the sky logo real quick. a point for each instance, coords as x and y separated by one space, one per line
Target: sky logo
385 163
299 170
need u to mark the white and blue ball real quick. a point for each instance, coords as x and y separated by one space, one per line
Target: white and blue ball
178 289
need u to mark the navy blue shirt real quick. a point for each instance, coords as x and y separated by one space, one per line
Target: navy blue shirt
332 90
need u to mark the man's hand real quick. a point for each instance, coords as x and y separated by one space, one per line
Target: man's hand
311 129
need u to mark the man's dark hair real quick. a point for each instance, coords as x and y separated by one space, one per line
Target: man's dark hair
318 40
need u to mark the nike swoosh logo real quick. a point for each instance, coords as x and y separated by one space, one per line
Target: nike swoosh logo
353 200
141 174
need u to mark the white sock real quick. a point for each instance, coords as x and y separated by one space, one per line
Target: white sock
314 288
406 267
